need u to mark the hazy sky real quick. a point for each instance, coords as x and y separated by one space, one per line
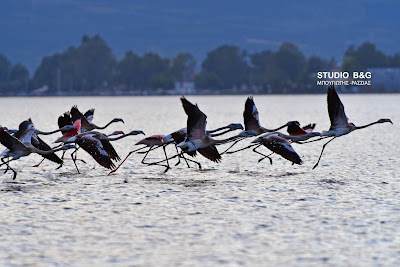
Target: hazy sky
36 28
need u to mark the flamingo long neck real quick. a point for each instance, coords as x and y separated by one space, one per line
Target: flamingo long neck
274 130
365 126
108 124
47 133
221 133
227 140
46 152
117 138
218 129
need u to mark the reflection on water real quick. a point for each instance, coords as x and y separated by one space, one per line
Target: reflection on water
345 212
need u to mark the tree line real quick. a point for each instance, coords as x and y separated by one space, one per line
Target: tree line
91 68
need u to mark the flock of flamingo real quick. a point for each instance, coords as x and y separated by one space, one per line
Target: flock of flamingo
78 131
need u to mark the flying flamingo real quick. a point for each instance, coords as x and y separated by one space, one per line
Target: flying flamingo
180 135
279 145
36 141
252 126
99 147
293 128
155 141
197 137
68 130
20 148
339 122
86 124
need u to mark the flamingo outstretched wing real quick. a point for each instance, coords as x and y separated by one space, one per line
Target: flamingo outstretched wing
336 110
282 147
89 115
211 153
196 122
10 142
45 147
250 115
65 120
95 148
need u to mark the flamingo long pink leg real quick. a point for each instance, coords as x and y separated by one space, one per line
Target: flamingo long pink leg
323 147
249 146
127 156
265 156
147 163
234 143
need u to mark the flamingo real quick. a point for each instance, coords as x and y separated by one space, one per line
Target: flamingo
99 147
180 135
293 128
37 142
68 130
197 137
87 125
17 148
339 122
252 123
155 141
279 145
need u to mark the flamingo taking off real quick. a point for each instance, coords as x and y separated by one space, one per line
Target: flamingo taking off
180 136
155 141
37 142
339 122
252 126
197 137
99 147
278 145
293 128
17 148
86 124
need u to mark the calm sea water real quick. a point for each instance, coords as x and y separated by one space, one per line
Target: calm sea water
238 212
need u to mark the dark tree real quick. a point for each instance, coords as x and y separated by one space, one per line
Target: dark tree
129 71
364 57
290 60
229 64
85 68
183 67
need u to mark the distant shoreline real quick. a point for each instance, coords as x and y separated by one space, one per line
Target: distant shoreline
196 94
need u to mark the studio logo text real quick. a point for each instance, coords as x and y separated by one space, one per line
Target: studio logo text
355 78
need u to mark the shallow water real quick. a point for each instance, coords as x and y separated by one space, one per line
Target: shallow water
238 212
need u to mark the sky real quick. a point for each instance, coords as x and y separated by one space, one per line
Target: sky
33 29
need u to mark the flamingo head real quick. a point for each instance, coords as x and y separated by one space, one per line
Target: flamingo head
118 120
385 120
235 126
116 133
136 132
247 134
